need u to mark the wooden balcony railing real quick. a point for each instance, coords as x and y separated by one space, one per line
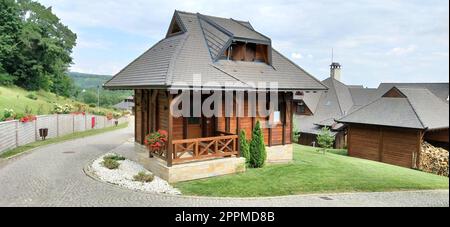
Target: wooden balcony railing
204 148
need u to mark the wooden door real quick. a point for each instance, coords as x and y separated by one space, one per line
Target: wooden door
194 128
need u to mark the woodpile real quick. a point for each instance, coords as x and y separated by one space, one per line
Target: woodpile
433 160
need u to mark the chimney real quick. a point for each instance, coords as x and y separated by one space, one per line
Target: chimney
335 71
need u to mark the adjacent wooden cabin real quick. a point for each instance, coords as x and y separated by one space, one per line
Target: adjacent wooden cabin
202 54
392 128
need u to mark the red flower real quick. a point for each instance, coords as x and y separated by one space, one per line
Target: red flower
163 132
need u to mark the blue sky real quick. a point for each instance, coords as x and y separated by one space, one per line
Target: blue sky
375 40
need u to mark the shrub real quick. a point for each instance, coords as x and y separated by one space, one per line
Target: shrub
109 116
144 177
28 110
258 152
5 79
40 109
80 108
117 115
114 157
111 164
325 139
9 114
62 109
32 96
244 146
92 105
296 135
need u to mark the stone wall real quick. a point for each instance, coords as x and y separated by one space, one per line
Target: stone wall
280 154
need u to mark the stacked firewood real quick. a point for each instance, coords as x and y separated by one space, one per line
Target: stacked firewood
433 160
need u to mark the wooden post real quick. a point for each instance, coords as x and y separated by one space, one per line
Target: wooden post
169 154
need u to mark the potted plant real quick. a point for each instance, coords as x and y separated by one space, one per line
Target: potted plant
28 118
156 142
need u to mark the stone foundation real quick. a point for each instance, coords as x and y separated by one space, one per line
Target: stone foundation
188 171
280 154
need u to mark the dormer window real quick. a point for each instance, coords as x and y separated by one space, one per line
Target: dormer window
249 52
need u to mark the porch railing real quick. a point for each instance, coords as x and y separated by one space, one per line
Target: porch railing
204 148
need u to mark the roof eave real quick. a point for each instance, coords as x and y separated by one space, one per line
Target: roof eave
382 125
134 87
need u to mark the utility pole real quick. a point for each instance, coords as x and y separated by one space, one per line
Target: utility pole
98 98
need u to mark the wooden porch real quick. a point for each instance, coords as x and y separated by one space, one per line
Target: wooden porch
199 149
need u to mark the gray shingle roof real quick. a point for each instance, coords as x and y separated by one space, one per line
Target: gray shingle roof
152 67
421 109
124 105
441 90
173 61
238 29
312 100
432 111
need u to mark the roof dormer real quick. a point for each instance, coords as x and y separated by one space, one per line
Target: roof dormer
176 26
249 52
229 39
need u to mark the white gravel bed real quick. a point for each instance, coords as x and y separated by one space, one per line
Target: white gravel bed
123 176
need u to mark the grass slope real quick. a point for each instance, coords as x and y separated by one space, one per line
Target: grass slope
15 98
315 172
73 136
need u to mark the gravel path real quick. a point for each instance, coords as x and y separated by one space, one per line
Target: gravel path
53 176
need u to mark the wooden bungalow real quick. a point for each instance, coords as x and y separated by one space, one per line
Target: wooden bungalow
226 55
392 128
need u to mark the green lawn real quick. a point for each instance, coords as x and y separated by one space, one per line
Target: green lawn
76 135
16 98
315 172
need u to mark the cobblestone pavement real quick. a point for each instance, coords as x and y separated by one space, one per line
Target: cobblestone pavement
53 176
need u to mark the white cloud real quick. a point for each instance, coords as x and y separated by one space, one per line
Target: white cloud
297 56
400 51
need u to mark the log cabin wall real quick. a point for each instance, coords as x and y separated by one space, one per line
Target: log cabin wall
163 111
437 136
278 135
152 113
394 146
250 52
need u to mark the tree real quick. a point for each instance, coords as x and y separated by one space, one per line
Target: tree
258 152
35 47
325 139
244 147
10 27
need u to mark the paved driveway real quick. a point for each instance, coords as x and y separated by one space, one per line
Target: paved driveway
53 176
